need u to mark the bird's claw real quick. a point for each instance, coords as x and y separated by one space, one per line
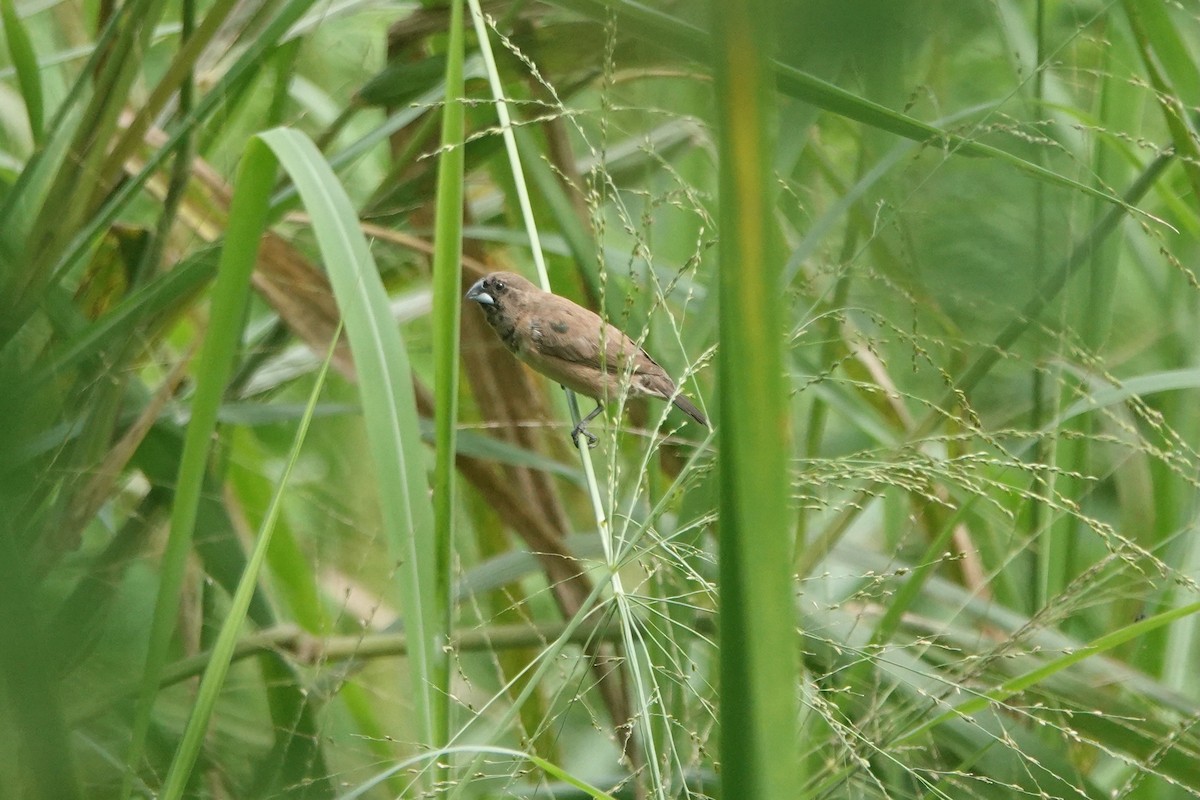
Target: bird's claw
577 431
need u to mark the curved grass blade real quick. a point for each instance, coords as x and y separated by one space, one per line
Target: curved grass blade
1139 386
389 407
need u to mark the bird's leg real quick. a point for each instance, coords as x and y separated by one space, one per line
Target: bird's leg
582 428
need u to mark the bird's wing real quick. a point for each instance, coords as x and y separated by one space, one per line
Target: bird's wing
574 335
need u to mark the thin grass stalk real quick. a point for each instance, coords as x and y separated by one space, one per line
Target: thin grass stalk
545 663
181 168
510 143
479 752
1049 567
227 640
214 367
816 550
447 290
601 515
758 668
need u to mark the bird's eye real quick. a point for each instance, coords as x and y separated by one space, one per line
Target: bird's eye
499 286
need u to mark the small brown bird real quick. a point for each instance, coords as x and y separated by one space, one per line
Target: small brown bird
562 341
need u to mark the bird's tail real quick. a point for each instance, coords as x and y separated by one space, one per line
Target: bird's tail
689 408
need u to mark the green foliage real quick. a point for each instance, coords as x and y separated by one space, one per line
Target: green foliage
927 266
758 659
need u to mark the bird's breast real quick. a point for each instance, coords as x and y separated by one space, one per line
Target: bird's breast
511 339
505 328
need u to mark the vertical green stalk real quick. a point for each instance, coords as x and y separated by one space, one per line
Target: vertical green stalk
603 523
1056 536
1037 414
757 617
447 292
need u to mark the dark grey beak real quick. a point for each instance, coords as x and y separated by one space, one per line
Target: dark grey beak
478 294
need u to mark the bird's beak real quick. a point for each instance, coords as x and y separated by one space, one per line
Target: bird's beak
477 294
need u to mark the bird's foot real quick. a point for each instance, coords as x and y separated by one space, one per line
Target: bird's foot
581 430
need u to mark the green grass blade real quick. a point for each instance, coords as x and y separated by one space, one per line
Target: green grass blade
757 622
389 407
227 640
242 71
153 298
1173 74
1130 388
177 72
1035 676
447 305
214 366
24 59
21 205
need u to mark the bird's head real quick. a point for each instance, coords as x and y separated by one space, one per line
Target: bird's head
499 289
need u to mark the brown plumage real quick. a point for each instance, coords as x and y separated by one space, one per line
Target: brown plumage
562 341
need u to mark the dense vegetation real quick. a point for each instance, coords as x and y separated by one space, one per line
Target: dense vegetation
279 517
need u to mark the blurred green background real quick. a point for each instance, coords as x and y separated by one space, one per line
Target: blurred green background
985 218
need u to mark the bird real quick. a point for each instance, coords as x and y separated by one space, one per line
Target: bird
573 346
